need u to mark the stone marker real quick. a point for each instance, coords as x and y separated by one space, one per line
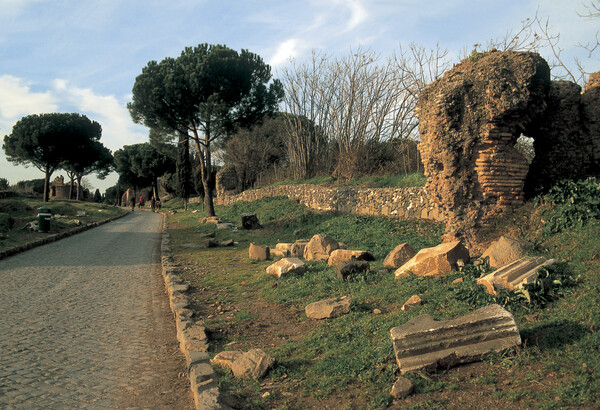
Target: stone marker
284 246
425 344
297 249
434 261
515 275
286 266
250 221
226 225
505 250
210 220
328 308
227 242
210 243
319 247
340 256
399 256
226 358
259 252
252 364
350 268
282 253
413 301
402 388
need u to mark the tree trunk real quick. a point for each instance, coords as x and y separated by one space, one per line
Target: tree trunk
79 178
47 175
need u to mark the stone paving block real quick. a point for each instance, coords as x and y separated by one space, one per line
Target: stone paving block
515 274
426 344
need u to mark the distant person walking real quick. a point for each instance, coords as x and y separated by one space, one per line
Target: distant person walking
153 203
132 204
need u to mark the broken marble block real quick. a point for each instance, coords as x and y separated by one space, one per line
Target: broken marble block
328 308
340 256
515 274
504 251
436 261
259 252
399 256
286 266
253 364
423 343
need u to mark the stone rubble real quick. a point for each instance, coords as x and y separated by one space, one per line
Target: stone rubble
328 308
436 261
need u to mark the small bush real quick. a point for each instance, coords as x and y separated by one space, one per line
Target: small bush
574 204
6 222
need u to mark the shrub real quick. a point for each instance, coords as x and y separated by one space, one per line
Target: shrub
574 203
6 222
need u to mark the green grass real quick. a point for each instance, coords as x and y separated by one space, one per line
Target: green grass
16 212
353 352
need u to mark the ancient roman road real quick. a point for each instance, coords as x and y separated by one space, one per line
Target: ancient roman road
85 322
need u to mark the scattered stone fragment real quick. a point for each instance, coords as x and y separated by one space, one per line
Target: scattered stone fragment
425 344
80 213
504 251
319 247
515 274
297 249
351 268
282 253
434 261
227 242
328 308
210 220
210 243
253 364
207 235
402 388
457 280
399 256
377 311
287 266
284 246
250 221
340 256
259 252
413 301
226 358
226 225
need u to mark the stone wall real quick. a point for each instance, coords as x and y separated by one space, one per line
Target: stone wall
404 203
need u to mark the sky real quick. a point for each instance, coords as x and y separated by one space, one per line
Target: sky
84 56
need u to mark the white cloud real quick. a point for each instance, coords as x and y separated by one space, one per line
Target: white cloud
17 99
358 13
117 126
286 50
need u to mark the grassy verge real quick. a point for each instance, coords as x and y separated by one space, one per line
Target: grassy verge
348 362
17 212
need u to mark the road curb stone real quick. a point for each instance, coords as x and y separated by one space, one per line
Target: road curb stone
192 338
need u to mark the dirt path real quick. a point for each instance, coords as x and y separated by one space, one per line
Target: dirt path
85 322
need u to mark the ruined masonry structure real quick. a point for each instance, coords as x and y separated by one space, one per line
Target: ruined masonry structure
470 120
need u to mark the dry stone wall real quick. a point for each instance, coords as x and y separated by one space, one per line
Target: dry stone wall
404 203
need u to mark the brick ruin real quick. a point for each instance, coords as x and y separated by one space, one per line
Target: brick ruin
470 120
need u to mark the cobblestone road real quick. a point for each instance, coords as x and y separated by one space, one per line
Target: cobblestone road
85 322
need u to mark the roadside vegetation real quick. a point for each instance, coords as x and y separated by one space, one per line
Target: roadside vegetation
348 362
17 212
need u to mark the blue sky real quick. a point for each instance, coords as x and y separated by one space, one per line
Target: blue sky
83 56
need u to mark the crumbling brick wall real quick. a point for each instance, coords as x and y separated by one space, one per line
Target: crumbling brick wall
470 120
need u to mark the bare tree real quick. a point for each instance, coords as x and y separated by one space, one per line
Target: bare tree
354 102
